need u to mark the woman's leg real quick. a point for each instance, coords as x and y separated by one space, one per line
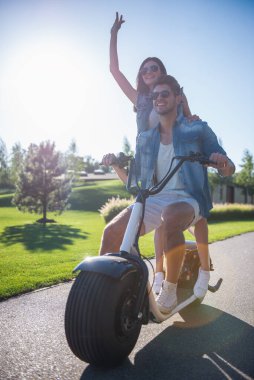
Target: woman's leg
201 235
159 270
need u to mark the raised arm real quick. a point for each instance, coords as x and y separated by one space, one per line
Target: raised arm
122 81
186 108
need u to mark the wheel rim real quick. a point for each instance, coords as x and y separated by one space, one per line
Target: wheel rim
126 323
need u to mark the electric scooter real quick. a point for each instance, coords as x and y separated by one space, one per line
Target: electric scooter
112 297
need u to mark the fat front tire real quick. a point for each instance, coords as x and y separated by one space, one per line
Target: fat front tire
99 324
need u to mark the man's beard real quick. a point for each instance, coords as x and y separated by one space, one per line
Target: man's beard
165 112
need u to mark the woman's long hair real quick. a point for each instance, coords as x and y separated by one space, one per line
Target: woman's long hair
141 86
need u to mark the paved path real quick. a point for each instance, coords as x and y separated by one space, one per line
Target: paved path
214 341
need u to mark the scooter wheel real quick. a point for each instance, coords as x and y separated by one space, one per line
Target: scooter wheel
99 323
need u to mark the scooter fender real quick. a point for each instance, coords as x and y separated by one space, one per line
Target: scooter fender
113 266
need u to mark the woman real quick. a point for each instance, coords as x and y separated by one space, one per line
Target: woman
150 70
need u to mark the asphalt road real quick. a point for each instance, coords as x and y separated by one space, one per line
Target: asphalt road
213 341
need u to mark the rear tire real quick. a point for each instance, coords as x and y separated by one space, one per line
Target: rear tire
99 324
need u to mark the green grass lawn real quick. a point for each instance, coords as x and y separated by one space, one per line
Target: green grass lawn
33 256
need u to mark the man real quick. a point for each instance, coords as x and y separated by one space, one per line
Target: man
185 198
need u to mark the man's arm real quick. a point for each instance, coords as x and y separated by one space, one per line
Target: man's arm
215 152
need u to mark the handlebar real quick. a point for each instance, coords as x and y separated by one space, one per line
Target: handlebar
196 157
122 161
193 157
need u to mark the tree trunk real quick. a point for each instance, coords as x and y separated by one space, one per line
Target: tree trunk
44 216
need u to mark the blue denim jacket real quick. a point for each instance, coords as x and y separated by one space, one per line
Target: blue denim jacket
188 137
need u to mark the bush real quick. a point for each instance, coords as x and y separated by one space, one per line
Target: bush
219 212
5 200
113 206
232 211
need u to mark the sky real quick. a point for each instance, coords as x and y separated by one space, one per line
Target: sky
55 82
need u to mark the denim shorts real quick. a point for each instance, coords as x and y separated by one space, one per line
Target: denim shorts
156 203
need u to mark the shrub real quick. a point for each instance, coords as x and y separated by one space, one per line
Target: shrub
232 211
113 206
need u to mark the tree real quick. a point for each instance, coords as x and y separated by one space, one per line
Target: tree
127 147
90 164
16 162
245 177
4 171
74 163
42 184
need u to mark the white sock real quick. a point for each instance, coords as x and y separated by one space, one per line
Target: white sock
201 285
204 273
159 277
170 286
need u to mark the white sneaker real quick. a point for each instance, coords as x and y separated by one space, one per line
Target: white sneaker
158 279
167 299
201 286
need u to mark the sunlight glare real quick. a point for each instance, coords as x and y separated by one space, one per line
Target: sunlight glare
50 82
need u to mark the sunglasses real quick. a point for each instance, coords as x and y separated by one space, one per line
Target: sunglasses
152 68
163 94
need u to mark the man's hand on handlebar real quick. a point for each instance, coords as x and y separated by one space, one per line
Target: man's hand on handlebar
220 160
109 159
117 163
120 161
222 163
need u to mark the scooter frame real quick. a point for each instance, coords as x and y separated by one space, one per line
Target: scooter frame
129 250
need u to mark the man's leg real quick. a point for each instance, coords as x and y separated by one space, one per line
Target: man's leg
176 218
113 233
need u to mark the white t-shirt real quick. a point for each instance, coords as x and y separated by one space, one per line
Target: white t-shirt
165 155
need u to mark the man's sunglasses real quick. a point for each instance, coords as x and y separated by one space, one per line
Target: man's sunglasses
152 68
163 94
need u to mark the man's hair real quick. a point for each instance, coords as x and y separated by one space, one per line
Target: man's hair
171 82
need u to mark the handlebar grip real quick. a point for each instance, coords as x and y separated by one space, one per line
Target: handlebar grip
206 161
121 160
197 157
115 162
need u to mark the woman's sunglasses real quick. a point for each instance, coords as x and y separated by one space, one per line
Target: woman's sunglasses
152 69
163 94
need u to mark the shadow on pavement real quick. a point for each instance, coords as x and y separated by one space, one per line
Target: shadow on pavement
207 344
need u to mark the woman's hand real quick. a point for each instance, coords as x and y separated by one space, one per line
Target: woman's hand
193 118
117 24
